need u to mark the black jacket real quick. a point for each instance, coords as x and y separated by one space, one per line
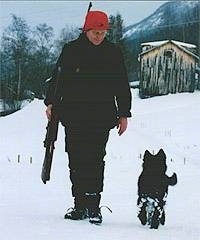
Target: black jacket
93 83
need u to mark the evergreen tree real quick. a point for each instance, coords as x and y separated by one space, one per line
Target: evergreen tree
116 28
110 34
115 35
119 28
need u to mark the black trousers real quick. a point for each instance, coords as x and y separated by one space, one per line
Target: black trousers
86 148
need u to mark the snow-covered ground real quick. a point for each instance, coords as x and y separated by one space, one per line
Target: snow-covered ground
31 210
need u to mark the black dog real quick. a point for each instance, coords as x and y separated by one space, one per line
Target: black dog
153 189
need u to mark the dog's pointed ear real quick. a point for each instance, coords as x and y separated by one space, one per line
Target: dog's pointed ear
146 154
161 153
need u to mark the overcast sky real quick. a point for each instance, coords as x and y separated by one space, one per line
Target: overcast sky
59 13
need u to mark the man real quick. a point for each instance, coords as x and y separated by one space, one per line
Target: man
94 98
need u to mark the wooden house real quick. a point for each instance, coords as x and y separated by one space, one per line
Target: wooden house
167 67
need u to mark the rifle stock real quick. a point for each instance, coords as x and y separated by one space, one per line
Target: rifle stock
50 138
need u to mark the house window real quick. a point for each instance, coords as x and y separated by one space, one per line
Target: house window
168 53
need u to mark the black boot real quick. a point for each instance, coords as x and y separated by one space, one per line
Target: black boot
76 214
94 213
95 216
79 212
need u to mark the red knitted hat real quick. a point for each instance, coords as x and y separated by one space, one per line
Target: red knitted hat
96 20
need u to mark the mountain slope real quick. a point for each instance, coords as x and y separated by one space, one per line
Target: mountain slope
171 13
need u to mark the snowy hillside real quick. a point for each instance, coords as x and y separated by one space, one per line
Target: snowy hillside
172 12
34 211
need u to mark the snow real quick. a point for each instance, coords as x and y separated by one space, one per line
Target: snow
149 22
155 43
190 4
183 44
157 19
31 210
152 21
130 32
158 43
4 106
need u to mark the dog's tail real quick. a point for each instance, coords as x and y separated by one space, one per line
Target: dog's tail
172 180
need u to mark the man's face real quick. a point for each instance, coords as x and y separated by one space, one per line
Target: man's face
96 36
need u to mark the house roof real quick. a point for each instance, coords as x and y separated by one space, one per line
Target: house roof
183 46
158 43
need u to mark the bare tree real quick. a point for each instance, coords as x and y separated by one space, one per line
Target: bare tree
15 45
42 57
68 33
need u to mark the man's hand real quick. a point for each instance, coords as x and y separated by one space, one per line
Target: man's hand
48 111
122 125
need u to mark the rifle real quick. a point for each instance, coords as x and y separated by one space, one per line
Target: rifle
50 138
90 5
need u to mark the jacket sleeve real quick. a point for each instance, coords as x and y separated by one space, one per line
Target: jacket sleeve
52 85
123 93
